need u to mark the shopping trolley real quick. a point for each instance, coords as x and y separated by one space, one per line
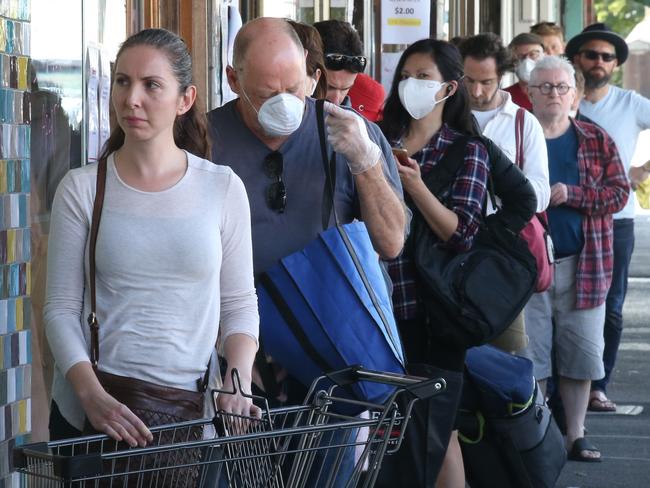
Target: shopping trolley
309 445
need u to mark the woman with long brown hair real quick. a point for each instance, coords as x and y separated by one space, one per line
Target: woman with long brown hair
172 251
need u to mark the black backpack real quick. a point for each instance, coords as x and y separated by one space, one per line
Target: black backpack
471 297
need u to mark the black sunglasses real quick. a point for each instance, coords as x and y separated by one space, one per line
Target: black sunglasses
594 55
356 64
276 192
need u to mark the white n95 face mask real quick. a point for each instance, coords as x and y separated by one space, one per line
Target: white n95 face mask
419 96
524 69
280 115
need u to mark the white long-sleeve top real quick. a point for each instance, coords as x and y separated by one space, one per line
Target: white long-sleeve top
172 267
501 129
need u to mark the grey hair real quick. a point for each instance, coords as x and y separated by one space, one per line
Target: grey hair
548 63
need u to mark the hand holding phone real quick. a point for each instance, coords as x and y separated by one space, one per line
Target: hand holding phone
401 154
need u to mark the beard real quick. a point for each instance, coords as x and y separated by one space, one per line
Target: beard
594 81
483 103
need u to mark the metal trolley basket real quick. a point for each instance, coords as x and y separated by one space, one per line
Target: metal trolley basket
299 446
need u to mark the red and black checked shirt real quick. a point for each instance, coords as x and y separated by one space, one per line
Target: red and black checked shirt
603 191
465 197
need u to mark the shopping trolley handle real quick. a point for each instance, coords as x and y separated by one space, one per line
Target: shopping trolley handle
237 389
419 386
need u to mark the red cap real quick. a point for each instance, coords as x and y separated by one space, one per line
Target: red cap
367 97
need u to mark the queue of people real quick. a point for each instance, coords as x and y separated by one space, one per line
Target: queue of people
196 207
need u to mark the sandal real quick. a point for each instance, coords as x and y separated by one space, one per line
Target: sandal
598 402
579 446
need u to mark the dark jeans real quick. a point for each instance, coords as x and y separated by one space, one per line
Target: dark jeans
623 247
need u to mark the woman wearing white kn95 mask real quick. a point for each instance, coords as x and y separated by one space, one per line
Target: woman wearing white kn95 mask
426 111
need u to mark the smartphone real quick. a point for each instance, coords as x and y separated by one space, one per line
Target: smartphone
401 154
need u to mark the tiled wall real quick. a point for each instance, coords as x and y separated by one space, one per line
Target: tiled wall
15 242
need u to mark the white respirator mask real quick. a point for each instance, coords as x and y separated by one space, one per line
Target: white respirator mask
419 96
280 115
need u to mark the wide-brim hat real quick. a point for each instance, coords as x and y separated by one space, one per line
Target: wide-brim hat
601 32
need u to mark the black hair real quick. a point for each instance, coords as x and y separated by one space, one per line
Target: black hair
488 45
339 38
191 128
456 113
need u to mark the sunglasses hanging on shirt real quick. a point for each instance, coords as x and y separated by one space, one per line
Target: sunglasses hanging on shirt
276 192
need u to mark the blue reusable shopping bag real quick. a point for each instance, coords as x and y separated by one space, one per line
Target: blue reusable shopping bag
505 381
327 307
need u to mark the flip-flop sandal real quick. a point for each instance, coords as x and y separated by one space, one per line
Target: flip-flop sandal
600 403
579 445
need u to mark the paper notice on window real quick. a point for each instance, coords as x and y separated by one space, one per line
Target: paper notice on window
405 21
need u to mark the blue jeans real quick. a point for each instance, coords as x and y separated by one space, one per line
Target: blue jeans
623 247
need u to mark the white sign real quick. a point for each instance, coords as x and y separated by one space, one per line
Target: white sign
388 64
405 21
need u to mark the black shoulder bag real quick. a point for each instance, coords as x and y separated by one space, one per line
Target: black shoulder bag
471 297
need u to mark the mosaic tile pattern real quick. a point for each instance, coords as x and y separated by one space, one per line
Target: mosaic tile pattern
15 235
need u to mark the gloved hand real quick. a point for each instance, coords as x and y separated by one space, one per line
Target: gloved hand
347 134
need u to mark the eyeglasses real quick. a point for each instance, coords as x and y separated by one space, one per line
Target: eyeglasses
594 55
547 88
276 192
356 64
535 54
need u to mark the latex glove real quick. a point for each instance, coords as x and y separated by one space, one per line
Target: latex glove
347 134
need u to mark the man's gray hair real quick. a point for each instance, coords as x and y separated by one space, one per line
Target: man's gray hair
548 63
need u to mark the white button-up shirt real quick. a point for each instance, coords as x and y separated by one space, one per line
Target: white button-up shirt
501 129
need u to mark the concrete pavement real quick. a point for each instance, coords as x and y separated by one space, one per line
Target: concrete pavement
624 440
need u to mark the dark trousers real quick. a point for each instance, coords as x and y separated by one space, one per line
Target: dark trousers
419 459
623 247
59 427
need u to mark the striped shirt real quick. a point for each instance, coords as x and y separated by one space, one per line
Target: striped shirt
464 197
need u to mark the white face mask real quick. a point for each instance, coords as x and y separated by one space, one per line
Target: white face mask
419 96
524 69
280 115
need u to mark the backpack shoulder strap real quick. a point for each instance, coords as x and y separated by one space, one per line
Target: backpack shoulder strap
519 137
444 172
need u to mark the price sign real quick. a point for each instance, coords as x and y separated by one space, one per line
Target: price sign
405 21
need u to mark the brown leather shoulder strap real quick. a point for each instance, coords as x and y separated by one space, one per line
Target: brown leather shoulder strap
100 190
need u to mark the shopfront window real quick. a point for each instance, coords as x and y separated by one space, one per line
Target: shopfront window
62 35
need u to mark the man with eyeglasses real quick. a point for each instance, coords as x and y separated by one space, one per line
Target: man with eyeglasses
597 51
588 185
527 49
344 58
